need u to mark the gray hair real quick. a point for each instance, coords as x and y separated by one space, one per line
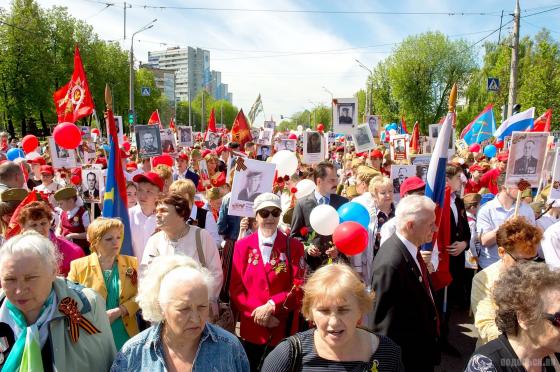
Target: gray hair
31 242
412 208
178 267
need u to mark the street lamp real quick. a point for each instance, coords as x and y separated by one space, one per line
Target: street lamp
131 85
369 89
332 110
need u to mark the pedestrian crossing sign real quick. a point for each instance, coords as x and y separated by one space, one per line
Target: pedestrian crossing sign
146 91
493 84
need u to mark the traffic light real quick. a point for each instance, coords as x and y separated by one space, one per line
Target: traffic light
516 108
131 117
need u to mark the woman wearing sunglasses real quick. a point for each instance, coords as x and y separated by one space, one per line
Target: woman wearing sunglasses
527 298
266 266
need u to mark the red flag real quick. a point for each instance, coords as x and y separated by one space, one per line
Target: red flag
441 278
403 126
14 228
542 123
211 125
73 101
172 124
415 140
155 119
240 131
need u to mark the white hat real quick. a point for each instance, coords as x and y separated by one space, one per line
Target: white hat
267 199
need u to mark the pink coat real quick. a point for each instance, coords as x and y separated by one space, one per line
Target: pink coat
253 284
68 250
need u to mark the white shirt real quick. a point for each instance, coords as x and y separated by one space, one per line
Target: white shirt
546 221
141 228
211 226
387 230
551 245
265 249
159 245
454 207
412 249
50 190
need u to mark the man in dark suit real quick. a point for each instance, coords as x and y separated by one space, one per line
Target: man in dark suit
92 192
345 117
527 164
326 182
404 308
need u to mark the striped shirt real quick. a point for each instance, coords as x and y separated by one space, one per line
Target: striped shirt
386 358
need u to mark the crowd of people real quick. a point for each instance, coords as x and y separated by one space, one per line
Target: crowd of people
204 290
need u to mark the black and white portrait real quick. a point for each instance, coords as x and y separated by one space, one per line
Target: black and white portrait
434 130
213 140
148 140
263 153
60 157
286 144
167 140
399 173
185 135
248 184
363 140
526 157
313 147
269 124
313 142
374 123
345 115
555 188
255 133
345 112
399 147
265 137
91 184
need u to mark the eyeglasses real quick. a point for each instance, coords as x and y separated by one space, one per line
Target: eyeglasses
264 213
554 318
517 259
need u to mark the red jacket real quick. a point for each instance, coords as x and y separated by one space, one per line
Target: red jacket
253 284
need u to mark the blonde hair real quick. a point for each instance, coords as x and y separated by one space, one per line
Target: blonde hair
365 177
164 171
378 182
149 295
185 188
334 281
99 227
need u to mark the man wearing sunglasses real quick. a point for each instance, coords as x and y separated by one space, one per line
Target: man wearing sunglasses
517 242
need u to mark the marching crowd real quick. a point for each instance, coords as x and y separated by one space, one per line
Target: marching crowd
204 290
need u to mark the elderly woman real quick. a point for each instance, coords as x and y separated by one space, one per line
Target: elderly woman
37 216
174 296
48 323
335 300
527 298
265 267
112 275
178 237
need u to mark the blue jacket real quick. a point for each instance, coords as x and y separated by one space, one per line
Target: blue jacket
228 226
218 350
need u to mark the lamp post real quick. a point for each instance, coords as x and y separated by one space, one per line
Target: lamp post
369 89
131 85
332 110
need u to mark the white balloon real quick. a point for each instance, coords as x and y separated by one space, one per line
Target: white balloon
304 188
324 219
32 155
286 162
392 132
300 128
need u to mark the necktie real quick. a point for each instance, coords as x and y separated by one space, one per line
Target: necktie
267 244
324 200
425 281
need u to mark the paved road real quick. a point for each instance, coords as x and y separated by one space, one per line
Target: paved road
463 336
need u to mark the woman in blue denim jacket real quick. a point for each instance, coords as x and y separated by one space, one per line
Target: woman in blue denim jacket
173 295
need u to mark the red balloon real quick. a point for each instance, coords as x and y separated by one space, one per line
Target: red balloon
350 238
95 131
499 145
292 136
67 135
475 147
320 127
29 143
126 146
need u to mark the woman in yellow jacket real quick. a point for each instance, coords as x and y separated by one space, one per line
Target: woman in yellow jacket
112 275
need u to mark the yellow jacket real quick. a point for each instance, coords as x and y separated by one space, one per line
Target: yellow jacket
87 271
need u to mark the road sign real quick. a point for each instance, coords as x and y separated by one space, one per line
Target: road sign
493 85
146 91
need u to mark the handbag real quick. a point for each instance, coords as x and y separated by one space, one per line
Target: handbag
225 318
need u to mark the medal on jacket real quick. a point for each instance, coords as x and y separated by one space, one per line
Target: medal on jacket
253 257
69 307
76 221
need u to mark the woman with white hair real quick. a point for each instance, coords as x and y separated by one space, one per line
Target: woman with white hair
174 296
46 322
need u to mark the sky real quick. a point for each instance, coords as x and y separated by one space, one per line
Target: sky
296 53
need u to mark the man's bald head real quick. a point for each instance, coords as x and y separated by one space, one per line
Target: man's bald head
11 174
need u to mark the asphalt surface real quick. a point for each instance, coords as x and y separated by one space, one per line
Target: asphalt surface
462 335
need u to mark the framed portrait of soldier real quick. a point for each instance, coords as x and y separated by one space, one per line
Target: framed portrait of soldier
185 135
270 124
286 144
255 178
213 140
168 144
86 151
526 157
119 126
61 157
399 173
363 139
265 137
313 148
374 123
345 115
148 140
555 184
255 133
92 184
399 147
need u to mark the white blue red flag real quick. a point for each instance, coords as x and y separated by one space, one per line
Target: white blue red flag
516 123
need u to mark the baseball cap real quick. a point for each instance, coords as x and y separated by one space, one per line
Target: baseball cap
267 199
476 167
183 156
376 154
411 184
38 160
131 166
503 156
164 159
149 177
47 169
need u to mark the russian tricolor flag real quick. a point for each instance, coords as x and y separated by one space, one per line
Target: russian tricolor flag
516 123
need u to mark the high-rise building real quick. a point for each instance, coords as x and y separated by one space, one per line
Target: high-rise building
192 72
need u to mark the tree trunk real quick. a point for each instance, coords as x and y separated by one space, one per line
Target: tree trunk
43 124
23 127
11 129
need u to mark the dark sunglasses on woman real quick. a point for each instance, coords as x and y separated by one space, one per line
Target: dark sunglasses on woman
554 318
264 213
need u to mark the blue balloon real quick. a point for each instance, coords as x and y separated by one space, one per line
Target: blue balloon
14 153
393 126
355 212
490 151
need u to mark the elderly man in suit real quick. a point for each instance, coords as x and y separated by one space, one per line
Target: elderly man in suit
326 181
527 164
404 309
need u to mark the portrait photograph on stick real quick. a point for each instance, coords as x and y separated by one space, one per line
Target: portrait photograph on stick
399 147
345 115
185 135
250 180
363 139
265 137
92 184
213 140
399 173
61 157
526 157
148 140
313 149
286 144
374 123
555 188
168 144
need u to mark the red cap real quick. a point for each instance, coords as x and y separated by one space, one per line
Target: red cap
503 156
221 149
124 155
361 154
38 160
131 166
340 149
476 167
101 161
376 154
205 152
47 169
411 184
149 177
162 159
183 156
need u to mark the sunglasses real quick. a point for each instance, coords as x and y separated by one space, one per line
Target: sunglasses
554 318
264 213
531 259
